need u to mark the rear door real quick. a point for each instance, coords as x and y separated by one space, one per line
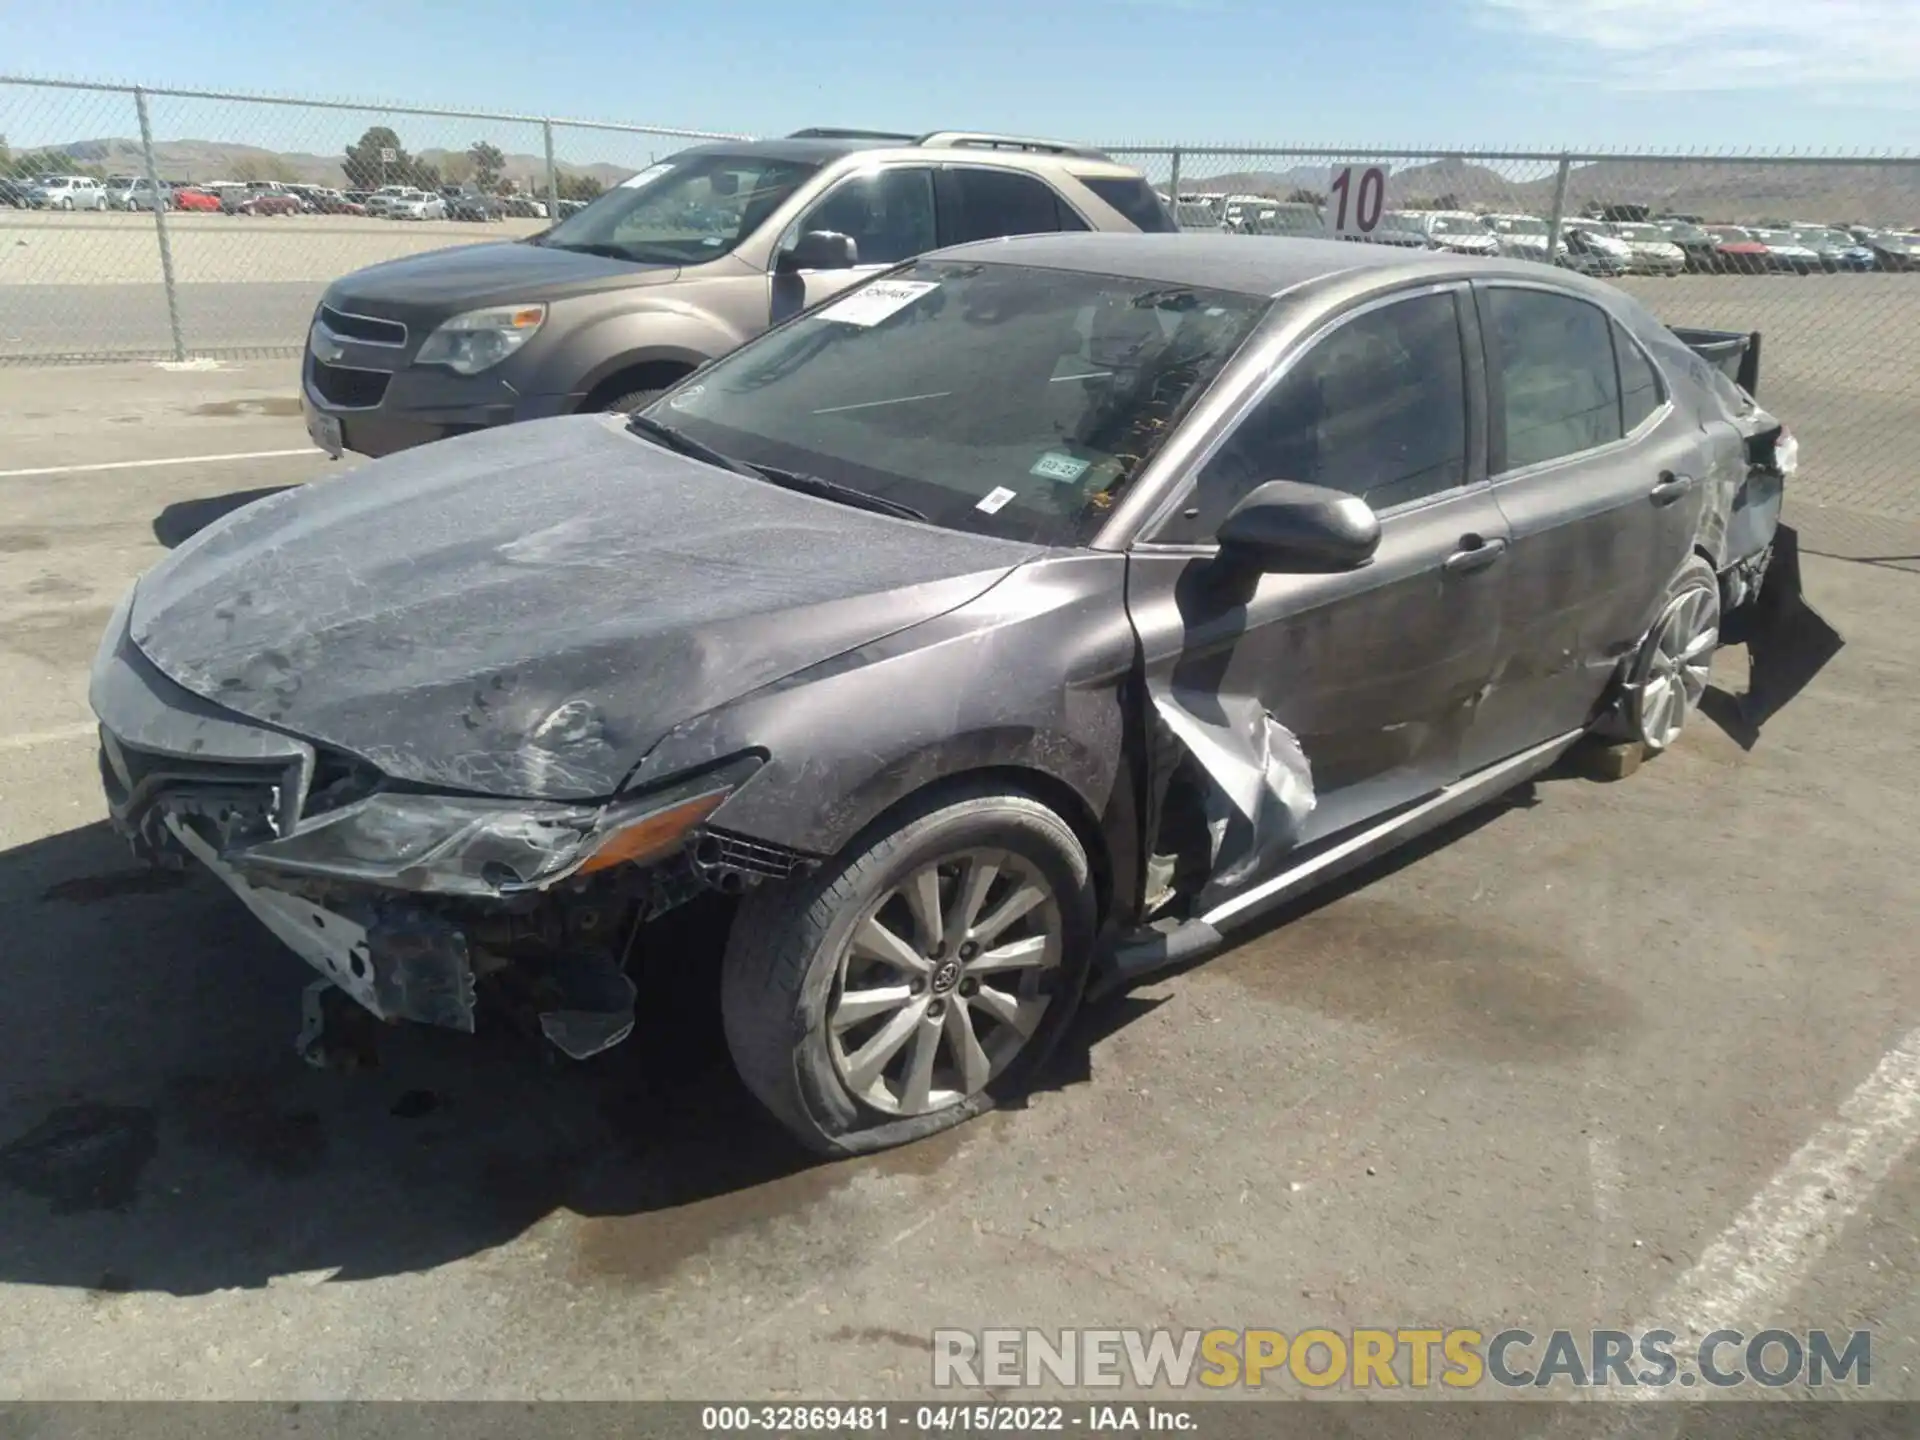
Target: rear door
1375 671
1599 478
979 202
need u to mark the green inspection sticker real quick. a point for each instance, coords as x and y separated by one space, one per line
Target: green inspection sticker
1055 466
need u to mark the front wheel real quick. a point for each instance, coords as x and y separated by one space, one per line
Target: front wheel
1671 671
918 981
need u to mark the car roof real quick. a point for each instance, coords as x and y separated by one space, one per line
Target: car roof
1248 265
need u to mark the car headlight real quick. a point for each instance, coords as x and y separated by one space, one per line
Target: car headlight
470 343
463 845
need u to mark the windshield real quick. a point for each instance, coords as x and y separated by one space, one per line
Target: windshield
1682 230
1729 232
1458 225
993 398
1830 238
1641 233
1510 226
682 211
1777 237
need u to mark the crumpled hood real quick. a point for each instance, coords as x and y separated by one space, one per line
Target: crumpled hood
525 611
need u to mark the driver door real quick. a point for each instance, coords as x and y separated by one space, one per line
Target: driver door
1373 672
891 216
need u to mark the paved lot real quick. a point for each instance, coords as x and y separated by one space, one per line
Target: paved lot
1529 1074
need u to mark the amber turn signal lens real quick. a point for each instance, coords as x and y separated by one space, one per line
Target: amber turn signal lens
652 836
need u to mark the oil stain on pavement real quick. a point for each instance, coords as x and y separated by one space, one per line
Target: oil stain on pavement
1485 990
83 1157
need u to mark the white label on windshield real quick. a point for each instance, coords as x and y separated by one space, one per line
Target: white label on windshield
873 303
645 177
1055 466
996 500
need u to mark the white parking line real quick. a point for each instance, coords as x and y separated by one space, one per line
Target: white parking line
1786 1228
149 464
77 731
1742 1278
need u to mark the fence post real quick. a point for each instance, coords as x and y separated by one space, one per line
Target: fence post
1173 184
1559 209
553 190
160 224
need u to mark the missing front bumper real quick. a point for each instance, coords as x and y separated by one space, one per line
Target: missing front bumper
397 961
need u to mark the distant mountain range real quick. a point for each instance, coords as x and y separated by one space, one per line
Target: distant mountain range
1731 191
222 160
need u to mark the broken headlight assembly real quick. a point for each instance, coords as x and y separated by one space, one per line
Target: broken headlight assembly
470 845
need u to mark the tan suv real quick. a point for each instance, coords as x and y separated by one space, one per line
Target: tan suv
672 268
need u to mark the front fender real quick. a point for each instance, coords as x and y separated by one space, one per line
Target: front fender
1028 676
650 329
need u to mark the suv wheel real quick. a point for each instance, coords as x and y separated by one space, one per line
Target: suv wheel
917 982
631 401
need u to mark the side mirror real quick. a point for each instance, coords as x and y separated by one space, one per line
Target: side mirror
1285 527
819 250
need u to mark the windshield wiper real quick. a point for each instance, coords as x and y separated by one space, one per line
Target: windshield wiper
593 247
833 490
684 444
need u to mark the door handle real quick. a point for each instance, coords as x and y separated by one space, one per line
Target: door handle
1475 553
1670 488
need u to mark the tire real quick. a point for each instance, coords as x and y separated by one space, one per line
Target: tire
792 948
1670 671
66 203
631 401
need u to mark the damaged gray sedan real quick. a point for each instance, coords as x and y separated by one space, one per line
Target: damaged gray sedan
1021 621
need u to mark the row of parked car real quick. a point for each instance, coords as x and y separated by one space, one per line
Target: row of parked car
267 197
1657 245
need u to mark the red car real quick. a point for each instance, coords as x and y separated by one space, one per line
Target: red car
191 199
1738 252
270 203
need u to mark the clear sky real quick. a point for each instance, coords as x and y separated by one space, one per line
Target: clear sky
1805 74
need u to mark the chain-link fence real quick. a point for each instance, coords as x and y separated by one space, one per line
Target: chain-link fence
1820 254
261 202
193 223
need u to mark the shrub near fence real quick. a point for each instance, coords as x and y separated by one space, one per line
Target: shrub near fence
1840 360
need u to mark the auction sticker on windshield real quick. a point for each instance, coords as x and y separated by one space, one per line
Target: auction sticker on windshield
995 500
1055 466
874 303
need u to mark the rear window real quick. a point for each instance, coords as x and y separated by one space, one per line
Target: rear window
1133 198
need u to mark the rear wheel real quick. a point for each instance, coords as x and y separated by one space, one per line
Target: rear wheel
1676 659
916 983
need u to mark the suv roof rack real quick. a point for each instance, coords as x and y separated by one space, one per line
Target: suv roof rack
828 132
980 140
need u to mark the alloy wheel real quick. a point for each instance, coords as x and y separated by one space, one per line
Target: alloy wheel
1678 666
943 981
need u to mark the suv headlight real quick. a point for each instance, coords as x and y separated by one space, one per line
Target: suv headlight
461 845
470 343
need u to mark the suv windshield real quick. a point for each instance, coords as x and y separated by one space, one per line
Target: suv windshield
682 211
1458 225
1520 226
1644 234
994 398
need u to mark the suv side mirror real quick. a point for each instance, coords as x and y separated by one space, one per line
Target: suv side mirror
1286 527
819 250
